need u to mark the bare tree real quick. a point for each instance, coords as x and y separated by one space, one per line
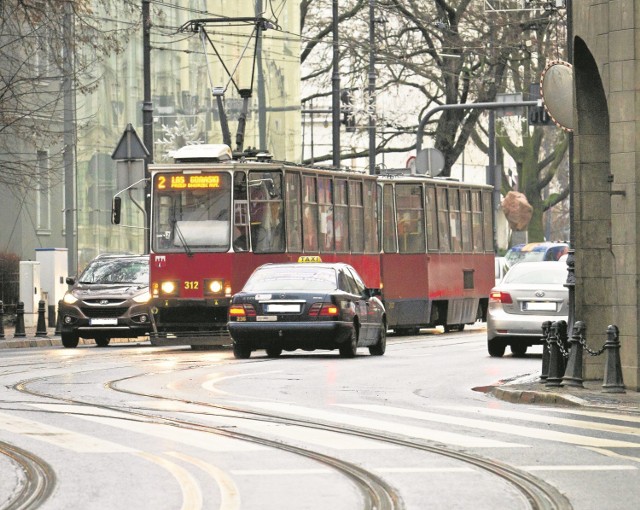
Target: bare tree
33 35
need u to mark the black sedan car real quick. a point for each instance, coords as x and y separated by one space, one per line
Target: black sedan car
307 306
110 299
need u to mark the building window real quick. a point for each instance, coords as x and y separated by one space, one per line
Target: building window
43 194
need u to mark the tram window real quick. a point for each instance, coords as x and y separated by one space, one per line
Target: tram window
356 217
432 222
341 215
241 212
266 212
310 214
476 214
325 211
487 220
370 215
443 219
389 237
465 217
454 219
293 220
410 217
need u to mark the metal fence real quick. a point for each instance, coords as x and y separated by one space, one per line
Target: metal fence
9 292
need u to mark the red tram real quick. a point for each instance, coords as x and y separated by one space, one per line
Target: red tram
215 219
426 242
436 251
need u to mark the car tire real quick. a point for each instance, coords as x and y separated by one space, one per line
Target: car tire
381 345
274 352
496 348
453 327
518 350
102 341
349 348
241 351
70 340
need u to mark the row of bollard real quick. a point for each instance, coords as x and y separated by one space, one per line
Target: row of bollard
562 357
41 327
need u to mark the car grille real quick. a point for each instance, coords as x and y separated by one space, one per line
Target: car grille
102 313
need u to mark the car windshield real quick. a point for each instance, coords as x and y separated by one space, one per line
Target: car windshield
548 272
299 278
105 271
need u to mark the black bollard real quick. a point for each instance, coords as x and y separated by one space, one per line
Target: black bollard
613 367
573 373
58 322
1 321
556 360
41 327
19 333
546 328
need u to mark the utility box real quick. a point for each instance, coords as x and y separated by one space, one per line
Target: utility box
30 292
54 264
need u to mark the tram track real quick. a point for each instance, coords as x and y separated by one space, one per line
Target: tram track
377 493
37 482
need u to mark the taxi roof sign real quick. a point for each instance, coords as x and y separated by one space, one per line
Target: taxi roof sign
309 258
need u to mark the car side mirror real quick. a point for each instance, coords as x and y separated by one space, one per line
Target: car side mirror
70 280
373 292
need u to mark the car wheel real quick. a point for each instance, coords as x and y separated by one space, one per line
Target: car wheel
496 348
273 352
103 341
453 327
241 351
348 349
518 350
69 340
381 346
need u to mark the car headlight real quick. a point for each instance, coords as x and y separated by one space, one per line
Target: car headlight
143 298
69 298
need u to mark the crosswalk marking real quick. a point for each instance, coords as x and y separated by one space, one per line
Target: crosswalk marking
548 419
210 442
497 426
384 426
59 437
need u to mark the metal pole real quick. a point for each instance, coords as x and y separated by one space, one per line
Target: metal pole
372 89
147 114
262 94
571 274
335 81
493 176
69 143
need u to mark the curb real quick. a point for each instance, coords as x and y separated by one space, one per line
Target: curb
46 341
536 397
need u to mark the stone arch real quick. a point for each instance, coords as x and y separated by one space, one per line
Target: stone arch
595 263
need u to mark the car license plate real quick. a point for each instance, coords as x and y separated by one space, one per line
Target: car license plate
103 322
266 318
540 306
282 308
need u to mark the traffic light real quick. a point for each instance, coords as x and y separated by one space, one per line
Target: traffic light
348 118
116 207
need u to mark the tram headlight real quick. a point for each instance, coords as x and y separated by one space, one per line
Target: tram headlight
214 286
169 287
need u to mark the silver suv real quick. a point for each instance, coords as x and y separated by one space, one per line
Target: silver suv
110 299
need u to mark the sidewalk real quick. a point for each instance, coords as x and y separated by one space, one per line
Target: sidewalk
31 339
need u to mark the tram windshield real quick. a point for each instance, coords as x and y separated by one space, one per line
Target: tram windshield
191 212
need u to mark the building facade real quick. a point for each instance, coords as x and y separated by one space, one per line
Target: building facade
606 175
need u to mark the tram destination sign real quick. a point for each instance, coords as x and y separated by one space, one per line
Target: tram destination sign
189 181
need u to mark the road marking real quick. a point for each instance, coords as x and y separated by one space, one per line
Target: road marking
537 418
279 472
506 428
203 440
56 436
383 426
578 468
191 494
229 494
215 378
324 438
600 414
